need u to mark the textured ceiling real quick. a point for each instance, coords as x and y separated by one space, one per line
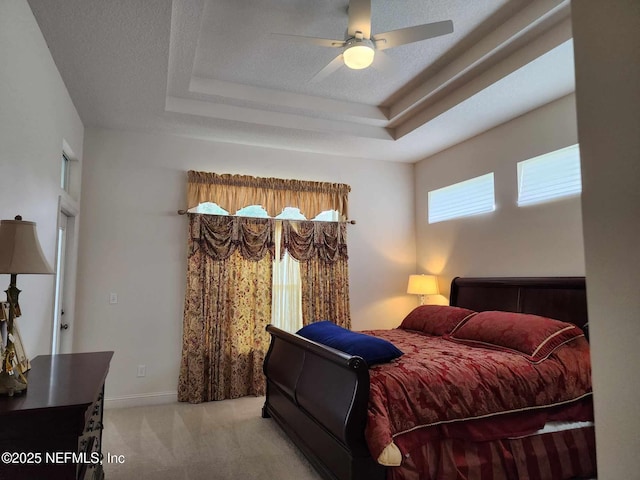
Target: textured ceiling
235 44
212 70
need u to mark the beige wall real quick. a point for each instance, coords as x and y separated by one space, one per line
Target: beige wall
134 244
532 241
36 116
607 57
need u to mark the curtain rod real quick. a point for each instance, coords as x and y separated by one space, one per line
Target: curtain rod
184 212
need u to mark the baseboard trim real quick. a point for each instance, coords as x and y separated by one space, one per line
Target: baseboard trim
141 400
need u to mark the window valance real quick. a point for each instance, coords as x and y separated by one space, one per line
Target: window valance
306 240
219 236
233 192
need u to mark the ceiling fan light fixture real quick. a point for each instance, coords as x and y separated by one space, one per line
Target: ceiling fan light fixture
358 53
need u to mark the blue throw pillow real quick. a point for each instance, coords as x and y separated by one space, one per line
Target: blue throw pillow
372 349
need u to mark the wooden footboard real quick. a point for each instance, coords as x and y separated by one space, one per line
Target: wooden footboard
319 397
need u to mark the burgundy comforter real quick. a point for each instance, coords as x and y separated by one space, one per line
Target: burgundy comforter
439 383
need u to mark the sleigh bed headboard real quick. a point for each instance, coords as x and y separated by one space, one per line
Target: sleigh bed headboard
563 298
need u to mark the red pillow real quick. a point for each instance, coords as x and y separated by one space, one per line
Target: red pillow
532 336
435 319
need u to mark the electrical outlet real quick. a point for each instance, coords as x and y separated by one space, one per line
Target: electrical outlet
113 298
142 370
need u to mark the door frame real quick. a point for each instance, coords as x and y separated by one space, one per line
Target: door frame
62 340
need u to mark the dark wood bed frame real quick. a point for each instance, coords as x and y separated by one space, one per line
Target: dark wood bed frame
319 395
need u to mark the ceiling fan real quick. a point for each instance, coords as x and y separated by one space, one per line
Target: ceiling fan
359 47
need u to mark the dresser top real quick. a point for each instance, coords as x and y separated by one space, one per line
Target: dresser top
60 381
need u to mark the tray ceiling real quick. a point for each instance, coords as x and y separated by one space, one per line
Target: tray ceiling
213 70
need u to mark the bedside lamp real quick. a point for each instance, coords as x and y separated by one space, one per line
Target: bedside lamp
423 285
20 253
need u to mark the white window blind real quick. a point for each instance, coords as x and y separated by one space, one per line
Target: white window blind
550 176
470 197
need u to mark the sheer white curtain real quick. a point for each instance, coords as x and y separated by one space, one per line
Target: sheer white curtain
286 304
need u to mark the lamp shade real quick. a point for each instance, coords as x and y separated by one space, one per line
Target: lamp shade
20 250
423 285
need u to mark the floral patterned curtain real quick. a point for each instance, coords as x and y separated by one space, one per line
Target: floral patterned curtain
227 308
325 292
229 277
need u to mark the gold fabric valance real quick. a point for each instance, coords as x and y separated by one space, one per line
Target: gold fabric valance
233 192
219 236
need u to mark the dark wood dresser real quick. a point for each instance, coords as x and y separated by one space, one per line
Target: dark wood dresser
53 430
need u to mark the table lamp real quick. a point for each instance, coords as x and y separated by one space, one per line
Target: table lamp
20 253
423 285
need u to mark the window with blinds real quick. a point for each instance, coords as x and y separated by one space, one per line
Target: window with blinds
548 177
471 197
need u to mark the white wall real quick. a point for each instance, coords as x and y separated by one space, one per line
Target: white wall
607 49
36 115
134 244
511 241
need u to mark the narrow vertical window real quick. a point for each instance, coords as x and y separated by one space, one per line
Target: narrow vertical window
471 197
65 172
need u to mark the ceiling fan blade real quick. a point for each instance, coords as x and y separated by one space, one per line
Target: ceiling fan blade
383 63
333 65
359 18
322 42
403 36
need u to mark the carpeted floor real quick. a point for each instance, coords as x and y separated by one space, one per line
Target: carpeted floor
215 440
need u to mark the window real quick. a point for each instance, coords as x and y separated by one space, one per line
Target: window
286 302
255 211
463 199
209 208
65 172
549 177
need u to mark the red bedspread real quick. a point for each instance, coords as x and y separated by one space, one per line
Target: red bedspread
437 381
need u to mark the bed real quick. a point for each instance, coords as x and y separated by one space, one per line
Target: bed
329 402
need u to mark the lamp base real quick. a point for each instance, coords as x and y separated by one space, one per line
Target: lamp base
9 384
